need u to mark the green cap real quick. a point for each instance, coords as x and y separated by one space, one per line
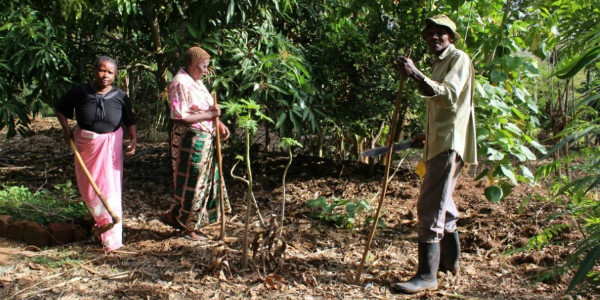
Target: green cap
442 20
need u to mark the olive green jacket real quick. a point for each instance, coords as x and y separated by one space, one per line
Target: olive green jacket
450 112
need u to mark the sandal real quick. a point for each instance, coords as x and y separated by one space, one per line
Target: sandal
168 219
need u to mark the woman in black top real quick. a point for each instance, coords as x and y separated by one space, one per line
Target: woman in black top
101 111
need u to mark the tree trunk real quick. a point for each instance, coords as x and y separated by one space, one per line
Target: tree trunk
320 143
161 62
267 139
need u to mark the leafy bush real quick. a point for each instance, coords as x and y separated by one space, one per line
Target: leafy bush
577 200
42 206
35 62
333 211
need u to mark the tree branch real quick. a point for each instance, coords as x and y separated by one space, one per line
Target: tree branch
156 33
128 44
139 65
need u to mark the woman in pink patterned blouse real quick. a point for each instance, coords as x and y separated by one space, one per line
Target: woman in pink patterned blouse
195 167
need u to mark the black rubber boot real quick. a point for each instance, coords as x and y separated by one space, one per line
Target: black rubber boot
425 279
449 253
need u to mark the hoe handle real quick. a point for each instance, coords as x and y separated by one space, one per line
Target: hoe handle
115 217
220 162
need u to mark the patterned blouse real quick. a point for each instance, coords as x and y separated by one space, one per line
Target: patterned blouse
187 96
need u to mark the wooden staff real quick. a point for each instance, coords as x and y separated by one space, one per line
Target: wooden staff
115 218
388 163
221 183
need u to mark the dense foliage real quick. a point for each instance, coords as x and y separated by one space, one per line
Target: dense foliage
42 206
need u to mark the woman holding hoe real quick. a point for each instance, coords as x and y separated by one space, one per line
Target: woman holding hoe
195 169
100 110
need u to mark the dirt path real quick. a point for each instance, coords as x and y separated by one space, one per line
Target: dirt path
156 263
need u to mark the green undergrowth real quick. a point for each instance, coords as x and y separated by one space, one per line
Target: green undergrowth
57 261
42 206
342 213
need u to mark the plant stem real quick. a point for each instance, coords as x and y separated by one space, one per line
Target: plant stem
248 203
283 184
260 217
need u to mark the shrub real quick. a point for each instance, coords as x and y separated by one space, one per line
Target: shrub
42 206
342 213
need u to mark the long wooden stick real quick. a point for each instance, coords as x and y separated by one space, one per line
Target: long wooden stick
221 182
115 218
388 163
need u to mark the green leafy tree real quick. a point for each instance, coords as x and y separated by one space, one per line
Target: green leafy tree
351 47
35 64
268 68
579 41
48 46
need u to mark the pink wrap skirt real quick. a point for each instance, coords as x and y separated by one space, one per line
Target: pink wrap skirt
103 156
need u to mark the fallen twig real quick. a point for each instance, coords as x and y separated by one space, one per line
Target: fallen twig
50 288
13 168
48 278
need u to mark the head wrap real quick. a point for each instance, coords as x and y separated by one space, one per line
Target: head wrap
442 20
195 56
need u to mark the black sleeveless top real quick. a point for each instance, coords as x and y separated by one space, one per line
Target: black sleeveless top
100 113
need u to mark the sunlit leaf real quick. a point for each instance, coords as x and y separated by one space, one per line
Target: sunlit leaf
527 174
539 147
527 152
519 94
289 142
494 154
509 174
230 8
569 68
513 128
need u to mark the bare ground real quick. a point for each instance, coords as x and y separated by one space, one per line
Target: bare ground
314 260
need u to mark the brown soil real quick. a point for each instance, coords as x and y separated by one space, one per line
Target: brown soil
313 260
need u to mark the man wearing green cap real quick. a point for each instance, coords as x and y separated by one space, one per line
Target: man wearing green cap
449 143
